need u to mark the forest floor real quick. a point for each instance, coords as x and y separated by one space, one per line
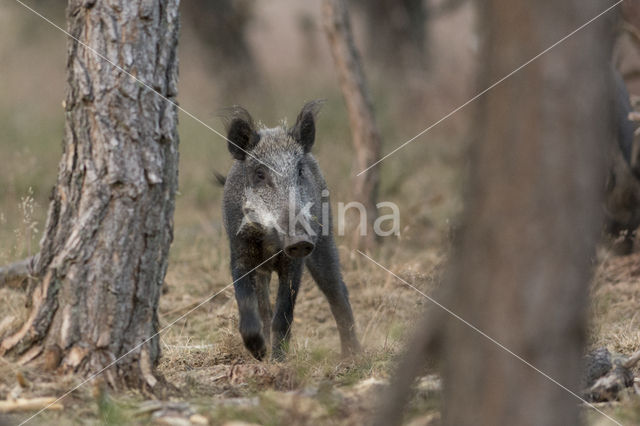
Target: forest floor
203 356
217 382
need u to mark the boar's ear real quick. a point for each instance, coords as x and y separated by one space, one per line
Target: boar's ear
304 131
242 136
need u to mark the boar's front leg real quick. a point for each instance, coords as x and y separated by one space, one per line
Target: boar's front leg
324 266
289 275
247 299
264 303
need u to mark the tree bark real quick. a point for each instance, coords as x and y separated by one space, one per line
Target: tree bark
364 131
631 12
522 264
533 216
105 247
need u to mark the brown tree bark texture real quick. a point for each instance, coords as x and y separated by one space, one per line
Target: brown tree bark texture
364 131
532 216
522 262
104 252
631 12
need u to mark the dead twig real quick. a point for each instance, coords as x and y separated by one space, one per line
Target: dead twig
31 404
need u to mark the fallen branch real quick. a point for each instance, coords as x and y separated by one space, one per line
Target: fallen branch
17 271
608 375
609 386
32 404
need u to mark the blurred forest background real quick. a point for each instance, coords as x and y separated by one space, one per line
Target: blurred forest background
271 57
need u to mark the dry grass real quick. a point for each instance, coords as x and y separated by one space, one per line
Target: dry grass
616 296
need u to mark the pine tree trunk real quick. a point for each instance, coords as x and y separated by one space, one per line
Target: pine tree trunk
532 218
533 214
364 131
104 252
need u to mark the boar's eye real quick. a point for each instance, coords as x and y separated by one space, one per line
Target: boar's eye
260 174
300 170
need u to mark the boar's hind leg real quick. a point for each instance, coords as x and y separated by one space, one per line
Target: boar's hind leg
324 266
289 274
250 323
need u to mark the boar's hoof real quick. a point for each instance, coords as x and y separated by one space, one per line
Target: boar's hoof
255 343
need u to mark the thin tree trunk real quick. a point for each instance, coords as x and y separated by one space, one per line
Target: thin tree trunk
532 218
397 33
221 25
364 131
105 248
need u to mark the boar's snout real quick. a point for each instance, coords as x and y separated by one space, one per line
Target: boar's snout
298 246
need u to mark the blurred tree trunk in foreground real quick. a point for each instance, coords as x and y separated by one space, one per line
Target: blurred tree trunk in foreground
221 26
631 12
533 216
364 131
105 248
522 265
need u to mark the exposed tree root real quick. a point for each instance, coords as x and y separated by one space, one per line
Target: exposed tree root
16 274
44 305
